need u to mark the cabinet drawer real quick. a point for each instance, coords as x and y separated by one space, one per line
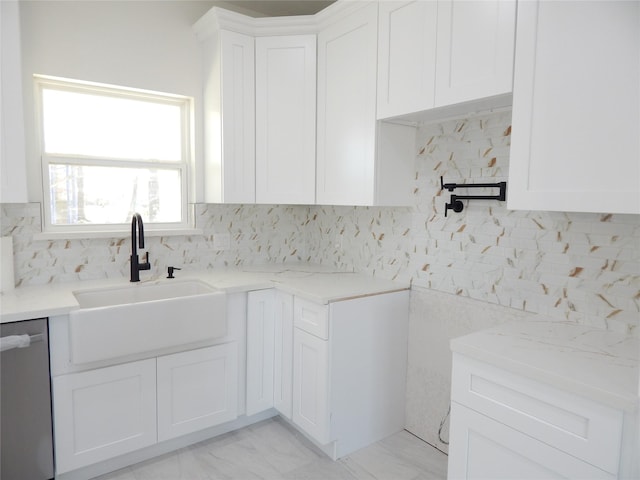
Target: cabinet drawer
311 317
585 429
484 448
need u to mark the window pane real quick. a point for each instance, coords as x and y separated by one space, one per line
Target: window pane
108 195
106 126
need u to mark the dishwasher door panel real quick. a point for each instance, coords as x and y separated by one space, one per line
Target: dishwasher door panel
26 443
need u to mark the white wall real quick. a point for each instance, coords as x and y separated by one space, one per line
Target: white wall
139 44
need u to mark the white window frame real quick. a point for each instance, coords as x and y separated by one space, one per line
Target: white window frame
184 166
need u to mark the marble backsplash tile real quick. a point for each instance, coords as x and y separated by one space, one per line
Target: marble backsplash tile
258 234
577 267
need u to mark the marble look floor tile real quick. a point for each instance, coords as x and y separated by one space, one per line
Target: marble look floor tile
378 463
410 449
273 450
321 469
179 465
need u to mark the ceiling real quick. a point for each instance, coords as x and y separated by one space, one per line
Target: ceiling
277 8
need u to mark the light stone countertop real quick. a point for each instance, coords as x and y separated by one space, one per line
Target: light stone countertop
313 282
583 360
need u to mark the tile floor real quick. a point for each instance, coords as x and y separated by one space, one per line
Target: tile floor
273 450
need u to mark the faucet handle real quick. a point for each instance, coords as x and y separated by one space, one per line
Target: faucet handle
170 271
146 265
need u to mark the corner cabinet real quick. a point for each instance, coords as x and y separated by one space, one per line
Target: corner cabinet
359 161
576 108
259 108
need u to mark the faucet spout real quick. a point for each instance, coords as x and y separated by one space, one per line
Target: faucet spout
136 266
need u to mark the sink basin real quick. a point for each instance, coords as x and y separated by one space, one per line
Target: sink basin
140 293
121 321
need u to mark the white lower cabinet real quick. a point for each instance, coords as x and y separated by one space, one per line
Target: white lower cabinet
196 390
283 354
349 370
269 351
339 369
260 350
311 381
486 448
504 425
103 413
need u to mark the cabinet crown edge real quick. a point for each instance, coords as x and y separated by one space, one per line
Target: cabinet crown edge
218 18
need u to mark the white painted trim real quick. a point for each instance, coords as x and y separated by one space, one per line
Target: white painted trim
166 232
221 19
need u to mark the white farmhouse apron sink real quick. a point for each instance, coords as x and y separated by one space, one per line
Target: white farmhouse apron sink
138 318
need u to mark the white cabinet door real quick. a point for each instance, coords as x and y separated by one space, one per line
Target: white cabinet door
229 117
197 389
484 448
283 354
103 413
406 56
576 114
260 350
13 172
347 66
311 385
286 119
475 47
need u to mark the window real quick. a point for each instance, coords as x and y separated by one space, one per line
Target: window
108 152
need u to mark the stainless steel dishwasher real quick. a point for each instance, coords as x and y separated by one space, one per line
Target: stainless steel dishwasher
26 438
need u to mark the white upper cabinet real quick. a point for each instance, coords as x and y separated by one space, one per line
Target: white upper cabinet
438 54
347 108
350 159
406 56
576 109
286 119
229 112
13 171
260 108
475 47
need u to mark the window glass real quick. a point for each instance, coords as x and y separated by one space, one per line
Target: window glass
108 126
109 152
83 194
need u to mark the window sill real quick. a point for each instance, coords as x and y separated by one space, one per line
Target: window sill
79 235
